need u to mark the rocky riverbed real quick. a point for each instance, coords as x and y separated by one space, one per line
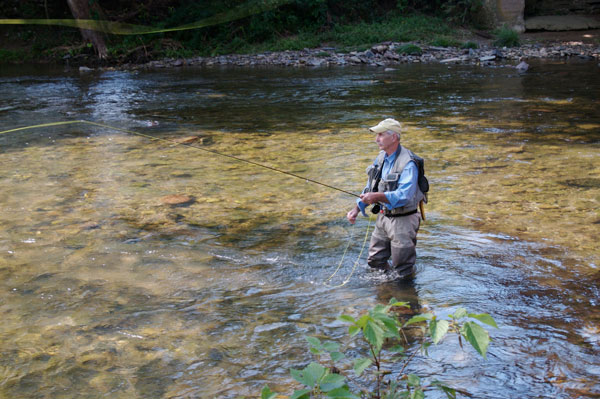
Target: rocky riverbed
389 54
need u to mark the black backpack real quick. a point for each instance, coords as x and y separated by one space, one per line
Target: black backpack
423 182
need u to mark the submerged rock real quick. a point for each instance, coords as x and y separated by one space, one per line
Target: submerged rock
177 200
193 139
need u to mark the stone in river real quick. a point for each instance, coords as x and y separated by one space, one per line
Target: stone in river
177 200
192 139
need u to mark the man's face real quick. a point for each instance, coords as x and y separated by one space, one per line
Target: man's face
386 141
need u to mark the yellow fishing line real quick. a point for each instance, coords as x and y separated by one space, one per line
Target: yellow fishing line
343 254
357 259
120 28
42 125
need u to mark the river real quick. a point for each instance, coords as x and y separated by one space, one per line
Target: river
107 291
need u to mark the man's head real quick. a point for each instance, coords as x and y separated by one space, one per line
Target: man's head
387 135
389 126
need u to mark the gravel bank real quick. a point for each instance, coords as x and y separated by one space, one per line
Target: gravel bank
388 55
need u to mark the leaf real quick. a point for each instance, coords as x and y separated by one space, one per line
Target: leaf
342 393
362 322
332 381
374 335
438 329
331 346
379 309
414 380
315 350
417 394
361 364
396 349
419 318
266 393
450 392
459 313
390 324
301 394
313 341
336 356
309 375
477 337
399 304
484 318
346 318
353 330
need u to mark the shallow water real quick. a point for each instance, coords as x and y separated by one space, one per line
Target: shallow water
106 291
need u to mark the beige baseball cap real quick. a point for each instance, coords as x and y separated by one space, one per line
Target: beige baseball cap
387 124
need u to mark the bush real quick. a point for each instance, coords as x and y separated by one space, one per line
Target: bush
506 37
461 11
409 49
383 354
444 41
472 45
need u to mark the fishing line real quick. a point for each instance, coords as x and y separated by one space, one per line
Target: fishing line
346 280
120 28
187 145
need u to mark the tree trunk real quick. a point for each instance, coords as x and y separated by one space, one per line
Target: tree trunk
81 10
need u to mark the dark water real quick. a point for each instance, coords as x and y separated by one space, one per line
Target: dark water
105 291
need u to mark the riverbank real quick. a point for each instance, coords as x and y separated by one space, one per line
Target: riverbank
580 45
389 54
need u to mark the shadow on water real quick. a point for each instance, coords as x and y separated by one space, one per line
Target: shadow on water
108 289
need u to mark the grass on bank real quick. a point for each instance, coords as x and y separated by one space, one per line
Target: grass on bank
344 38
355 37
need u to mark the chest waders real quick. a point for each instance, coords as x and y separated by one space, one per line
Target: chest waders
393 242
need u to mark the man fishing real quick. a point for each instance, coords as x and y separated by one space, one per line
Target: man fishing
394 190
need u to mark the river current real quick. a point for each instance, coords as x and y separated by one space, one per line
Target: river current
107 290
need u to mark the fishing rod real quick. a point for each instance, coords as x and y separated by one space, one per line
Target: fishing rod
214 152
327 281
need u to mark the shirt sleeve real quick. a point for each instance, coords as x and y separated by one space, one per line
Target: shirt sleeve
407 187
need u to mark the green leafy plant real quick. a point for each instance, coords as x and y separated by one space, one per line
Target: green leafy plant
386 353
410 49
506 37
444 41
467 45
461 11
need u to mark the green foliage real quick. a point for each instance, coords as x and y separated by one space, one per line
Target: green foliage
468 45
384 345
444 41
410 49
294 25
13 56
506 37
461 11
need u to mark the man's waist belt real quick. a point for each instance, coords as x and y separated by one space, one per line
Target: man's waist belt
395 215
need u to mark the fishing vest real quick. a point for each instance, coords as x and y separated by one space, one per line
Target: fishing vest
390 183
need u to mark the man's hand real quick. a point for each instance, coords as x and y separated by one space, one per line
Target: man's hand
351 216
371 198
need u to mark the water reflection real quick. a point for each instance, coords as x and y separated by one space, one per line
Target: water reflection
107 290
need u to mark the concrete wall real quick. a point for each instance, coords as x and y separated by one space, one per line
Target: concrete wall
561 7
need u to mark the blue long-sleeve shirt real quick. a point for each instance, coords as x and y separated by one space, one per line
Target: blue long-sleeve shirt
407 184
